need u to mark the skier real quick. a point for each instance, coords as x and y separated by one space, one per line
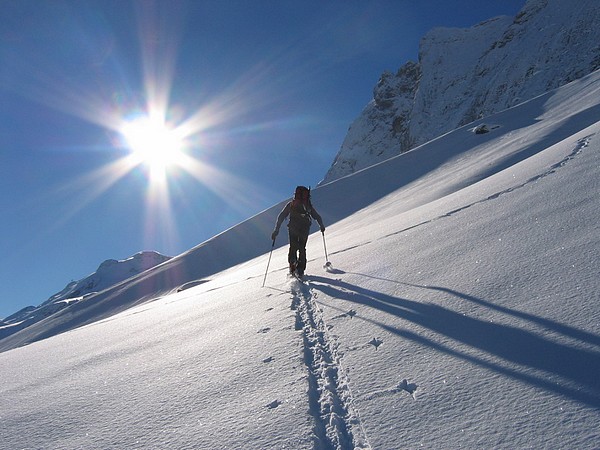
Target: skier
300 211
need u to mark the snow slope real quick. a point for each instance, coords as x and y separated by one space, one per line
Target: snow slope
461 311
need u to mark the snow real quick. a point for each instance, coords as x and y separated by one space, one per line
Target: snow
465 74
461 310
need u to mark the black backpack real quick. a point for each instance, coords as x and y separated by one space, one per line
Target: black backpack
301 208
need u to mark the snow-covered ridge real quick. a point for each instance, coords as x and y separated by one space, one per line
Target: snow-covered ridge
108 274
465 74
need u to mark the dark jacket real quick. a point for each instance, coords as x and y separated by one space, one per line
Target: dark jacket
301 216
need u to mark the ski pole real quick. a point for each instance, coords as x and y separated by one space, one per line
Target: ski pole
268 263
327 263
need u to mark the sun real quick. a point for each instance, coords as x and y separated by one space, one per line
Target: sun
154 144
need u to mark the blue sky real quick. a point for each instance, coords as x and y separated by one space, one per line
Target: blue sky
265 91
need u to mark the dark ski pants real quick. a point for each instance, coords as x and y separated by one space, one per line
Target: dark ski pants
297 253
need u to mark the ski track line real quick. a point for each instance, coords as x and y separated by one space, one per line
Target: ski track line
337 424
581 144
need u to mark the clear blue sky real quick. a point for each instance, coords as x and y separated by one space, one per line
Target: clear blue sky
265 90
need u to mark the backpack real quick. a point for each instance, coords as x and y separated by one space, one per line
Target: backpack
301 208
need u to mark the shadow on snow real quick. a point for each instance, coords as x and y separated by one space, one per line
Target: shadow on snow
577 367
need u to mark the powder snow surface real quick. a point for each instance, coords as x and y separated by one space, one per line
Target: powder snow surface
461 311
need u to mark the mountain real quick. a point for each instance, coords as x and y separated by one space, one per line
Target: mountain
465 74
110 273
461 308
461 311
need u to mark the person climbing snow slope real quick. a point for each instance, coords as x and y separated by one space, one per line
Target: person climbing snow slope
300 212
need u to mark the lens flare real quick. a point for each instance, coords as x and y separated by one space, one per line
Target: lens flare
170 144
154 144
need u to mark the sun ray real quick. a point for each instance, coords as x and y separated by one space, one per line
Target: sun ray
142 122
159 33
231 189
72 197
159 223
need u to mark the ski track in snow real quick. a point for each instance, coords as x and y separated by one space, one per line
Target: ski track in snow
337 425
581 144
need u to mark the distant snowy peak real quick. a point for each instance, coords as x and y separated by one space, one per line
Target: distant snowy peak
465 74
109 273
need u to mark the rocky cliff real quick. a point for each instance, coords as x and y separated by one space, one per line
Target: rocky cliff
466 74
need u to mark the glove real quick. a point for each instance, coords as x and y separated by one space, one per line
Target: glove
274 235
322 229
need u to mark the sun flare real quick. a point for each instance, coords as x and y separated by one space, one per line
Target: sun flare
153 143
